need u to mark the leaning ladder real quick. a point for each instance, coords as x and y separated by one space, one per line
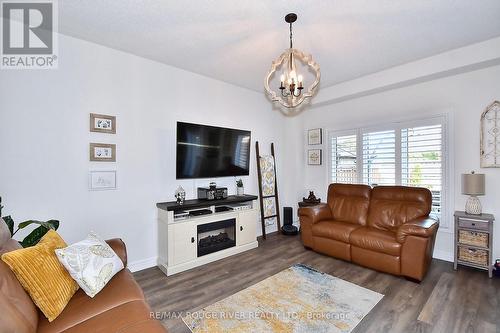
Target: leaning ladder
268 188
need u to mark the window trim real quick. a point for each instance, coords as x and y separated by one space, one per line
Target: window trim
444 119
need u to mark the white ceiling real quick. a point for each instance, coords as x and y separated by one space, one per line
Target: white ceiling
235 41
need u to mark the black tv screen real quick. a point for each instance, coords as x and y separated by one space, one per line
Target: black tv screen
208 151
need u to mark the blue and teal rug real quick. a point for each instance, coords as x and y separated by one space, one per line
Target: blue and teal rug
298 299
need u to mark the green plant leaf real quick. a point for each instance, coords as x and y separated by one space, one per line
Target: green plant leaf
10 223
34 237
51 224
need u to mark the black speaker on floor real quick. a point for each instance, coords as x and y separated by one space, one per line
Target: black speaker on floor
288 228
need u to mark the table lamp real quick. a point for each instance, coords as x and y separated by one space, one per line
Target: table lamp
473 185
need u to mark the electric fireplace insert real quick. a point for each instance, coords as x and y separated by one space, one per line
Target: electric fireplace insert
216 236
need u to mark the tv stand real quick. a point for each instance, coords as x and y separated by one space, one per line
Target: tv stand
223 232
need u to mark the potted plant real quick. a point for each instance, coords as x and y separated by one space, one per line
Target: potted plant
239 187
34 236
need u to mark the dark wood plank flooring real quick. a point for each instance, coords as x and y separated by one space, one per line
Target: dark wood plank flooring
446 301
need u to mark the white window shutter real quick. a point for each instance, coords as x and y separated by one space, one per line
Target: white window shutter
422 160
343 159
379 158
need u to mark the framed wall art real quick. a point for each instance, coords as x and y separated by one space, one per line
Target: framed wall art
314 156
102 123
102 180
314 136
102 152
490 136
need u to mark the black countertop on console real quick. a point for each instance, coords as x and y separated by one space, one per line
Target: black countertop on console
201 203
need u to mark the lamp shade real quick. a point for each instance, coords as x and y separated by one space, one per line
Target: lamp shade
473 183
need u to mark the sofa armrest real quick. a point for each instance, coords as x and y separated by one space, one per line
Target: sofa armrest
421 227
315 213
120 249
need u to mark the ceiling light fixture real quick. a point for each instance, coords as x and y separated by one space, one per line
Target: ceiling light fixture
291 94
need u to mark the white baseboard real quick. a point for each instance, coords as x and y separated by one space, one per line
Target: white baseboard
443 255
152 262
142 264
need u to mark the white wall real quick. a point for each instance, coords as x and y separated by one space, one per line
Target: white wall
44 137
44 140
463 96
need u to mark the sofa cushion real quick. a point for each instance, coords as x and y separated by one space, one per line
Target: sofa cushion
42 276
121 289
391 206
131 317
334 230
376 240
349 203
91 263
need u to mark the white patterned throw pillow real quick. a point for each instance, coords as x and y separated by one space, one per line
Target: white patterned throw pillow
91 263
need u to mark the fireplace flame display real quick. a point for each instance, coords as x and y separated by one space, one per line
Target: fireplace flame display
216 236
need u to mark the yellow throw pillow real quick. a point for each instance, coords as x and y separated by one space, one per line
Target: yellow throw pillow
42 275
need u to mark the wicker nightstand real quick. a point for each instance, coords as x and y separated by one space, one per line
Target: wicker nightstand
474 240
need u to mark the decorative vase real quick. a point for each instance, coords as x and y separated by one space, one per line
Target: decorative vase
473 205
239 190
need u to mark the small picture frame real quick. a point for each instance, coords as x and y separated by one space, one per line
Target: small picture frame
102 123
314 136
314 157
102 152
102 180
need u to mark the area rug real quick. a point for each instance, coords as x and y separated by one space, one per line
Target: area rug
298 299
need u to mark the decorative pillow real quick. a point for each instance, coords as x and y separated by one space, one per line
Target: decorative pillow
91 262
42 276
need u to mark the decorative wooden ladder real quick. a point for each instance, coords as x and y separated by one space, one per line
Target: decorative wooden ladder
268 188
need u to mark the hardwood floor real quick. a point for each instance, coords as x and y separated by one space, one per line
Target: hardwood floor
446 301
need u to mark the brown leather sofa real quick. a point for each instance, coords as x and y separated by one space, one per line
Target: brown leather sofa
386 228
119 307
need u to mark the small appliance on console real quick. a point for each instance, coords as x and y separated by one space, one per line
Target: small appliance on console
212 192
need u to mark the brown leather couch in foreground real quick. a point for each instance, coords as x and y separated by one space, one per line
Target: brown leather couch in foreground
119 307
386 228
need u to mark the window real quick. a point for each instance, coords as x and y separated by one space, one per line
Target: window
421 160
344 159
379 158
409 154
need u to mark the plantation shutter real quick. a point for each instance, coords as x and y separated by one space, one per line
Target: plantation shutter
422 161
379 158
343 161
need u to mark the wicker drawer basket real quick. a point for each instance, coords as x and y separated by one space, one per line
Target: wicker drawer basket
473 238
475 256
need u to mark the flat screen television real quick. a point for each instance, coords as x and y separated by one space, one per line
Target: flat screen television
209 151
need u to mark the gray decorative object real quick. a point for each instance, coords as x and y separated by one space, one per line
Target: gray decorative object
180 195
490 136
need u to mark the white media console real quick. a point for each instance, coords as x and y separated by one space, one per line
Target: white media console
190 241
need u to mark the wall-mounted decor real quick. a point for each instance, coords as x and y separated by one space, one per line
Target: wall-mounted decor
314 136
314 157
102 123
102 180
102 152
490 136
